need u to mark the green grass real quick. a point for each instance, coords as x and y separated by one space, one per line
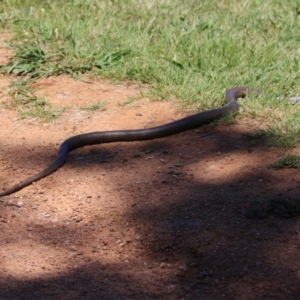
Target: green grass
28 105
185 49
99 105
289 161
280 207
127 102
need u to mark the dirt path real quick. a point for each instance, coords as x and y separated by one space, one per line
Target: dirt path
162 219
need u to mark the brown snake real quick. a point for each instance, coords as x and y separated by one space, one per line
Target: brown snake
168 129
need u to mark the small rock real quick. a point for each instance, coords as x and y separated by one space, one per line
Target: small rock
182 268
178 165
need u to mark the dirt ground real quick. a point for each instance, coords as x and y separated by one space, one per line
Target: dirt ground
162 219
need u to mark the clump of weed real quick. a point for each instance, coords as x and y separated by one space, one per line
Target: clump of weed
28 105
280 207
284 208
127 102
99 105
290 161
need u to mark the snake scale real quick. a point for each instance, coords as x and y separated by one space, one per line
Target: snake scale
168 129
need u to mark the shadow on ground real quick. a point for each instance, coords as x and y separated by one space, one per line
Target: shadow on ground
192 239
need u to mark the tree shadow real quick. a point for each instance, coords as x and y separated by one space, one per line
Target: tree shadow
194 233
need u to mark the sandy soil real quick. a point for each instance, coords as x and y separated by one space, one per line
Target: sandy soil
162 219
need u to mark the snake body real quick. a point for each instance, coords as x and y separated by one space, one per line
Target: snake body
168 129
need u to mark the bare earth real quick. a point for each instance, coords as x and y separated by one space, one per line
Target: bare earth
162 219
